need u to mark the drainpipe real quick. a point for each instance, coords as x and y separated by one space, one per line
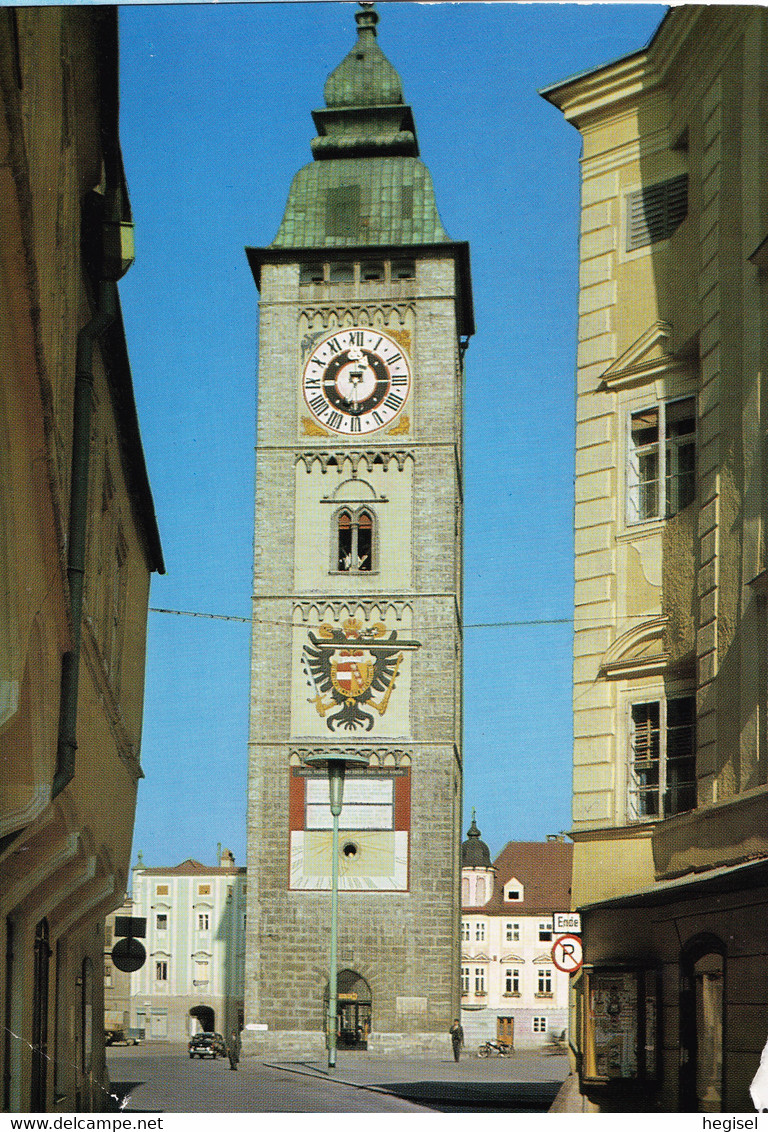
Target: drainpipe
117 245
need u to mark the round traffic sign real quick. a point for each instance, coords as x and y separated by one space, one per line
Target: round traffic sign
567 954
128 954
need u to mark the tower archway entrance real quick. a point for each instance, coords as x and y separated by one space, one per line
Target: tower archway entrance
353 1014
205 1016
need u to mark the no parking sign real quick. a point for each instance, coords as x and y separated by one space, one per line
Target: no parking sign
567 954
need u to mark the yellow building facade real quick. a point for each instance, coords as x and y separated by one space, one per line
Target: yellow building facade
78 541
670 803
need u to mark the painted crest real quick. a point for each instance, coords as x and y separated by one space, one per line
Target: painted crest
352 672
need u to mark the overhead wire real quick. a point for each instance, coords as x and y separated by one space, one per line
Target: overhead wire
520 623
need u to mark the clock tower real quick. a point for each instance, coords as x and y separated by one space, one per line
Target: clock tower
365 312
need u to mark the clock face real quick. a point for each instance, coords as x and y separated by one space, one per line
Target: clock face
356 380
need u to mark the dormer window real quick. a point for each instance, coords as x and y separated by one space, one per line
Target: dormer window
514 891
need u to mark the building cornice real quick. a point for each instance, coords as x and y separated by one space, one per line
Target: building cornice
588 96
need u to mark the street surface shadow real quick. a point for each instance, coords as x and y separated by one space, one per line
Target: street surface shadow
472 1096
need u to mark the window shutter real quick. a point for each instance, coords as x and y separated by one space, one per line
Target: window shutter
653 213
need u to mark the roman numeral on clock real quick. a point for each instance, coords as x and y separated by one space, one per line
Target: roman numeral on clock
393 401
319 405
399 380
356 337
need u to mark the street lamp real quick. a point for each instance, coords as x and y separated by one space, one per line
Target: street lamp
335 763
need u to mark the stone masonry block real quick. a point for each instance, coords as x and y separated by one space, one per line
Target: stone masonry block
594 324
593 486
597 297
586 669
708 517
598 457
708 607
593 351
707 579
592 590
597 270
600 188
589 539
595 565
594 777
598 243
595 216
590 723
594 431
706 638
594 403
591 642
707 667
708 546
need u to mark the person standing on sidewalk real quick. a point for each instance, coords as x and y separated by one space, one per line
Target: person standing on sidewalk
457 1038
233 1049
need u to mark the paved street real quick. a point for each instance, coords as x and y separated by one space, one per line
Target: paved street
160 1077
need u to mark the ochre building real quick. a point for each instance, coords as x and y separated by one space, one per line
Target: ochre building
365 313
78 541
670 803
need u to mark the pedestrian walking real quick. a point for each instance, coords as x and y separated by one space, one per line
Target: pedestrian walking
457 1038
233 1049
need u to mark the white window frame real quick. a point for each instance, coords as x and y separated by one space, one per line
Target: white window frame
465 933
540 1024
544 980
512 931
161 916
545 931
479 931
634 788
512 980
203 921
480 980
161 970
664 509
465 980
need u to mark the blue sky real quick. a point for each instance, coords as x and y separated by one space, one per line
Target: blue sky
215 120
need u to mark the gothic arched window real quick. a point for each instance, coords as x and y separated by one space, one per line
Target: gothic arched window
344 541
355 541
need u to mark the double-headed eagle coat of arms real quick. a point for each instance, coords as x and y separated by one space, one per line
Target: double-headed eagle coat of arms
352 672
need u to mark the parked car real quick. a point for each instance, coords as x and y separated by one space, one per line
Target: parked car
207 1045
122 1037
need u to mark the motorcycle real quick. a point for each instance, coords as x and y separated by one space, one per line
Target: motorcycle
495 1049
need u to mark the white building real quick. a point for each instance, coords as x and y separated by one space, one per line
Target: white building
192 979
510 986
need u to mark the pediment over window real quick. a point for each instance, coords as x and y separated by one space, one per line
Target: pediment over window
638 652
511 959
646 359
